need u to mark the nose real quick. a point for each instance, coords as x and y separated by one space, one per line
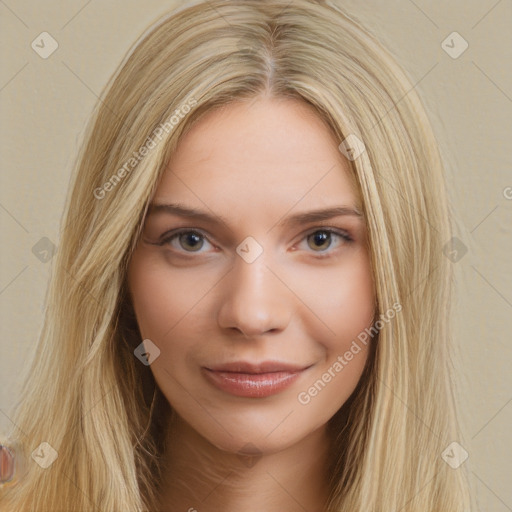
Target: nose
254 301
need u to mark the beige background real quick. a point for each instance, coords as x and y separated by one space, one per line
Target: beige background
45 104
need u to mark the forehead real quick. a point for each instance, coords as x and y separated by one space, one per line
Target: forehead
261 156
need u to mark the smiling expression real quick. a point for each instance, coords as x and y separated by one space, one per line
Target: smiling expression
252 275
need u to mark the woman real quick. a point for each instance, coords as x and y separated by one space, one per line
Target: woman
250 301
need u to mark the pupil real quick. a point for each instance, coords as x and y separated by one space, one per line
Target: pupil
191 241
322 238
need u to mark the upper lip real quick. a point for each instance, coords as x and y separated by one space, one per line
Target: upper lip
262 367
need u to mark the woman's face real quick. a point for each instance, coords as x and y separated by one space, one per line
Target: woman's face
252 277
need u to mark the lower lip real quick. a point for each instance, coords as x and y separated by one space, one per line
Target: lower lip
252 385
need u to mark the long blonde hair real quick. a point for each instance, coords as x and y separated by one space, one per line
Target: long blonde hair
90 398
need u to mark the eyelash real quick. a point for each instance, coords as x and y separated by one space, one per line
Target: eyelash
169 237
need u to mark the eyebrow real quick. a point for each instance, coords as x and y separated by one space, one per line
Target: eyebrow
292 220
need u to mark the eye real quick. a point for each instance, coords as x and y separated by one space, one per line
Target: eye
321 240
186 240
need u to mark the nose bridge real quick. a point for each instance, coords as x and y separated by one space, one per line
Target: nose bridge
254 301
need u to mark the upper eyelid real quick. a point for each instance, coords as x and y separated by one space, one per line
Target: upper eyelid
178 231
336 231
313 229
342 233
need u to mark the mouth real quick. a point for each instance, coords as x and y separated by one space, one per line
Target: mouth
253 380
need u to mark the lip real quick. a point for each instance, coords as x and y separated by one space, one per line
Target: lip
253 380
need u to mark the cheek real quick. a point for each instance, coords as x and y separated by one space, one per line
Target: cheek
348 309
165 299
354 308
343 298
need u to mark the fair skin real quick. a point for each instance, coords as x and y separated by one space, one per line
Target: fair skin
302 302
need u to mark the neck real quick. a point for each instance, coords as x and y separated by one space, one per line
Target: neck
200 477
